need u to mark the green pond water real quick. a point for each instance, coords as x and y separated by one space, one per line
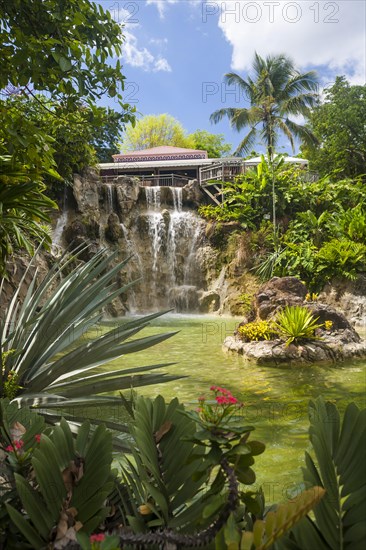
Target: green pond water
275 399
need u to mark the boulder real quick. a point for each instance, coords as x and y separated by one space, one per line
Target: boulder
113 231
192 193
275 353
127 192
86 191
209 302
278 293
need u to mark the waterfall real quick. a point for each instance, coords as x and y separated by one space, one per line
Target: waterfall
165 237
110 201
56 247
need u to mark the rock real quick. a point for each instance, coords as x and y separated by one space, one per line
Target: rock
348 296
86 191
192 193
127 193
209 302
327 313
113 230
275 353
278 293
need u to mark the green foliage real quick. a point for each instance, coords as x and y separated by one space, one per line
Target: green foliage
66 483
278 522
338 467
341 258
54 368
338 123
23 210
155 131
214 144
276 92
185 464
257 330
61 46
296 323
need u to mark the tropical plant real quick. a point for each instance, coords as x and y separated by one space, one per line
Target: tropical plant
61 483
53 368
341 258
257 330
339 467
276 92
183 476
23 210
296 323
277 522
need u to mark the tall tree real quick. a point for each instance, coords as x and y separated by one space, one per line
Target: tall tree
214 144
154 131
64 48
339 124
275 92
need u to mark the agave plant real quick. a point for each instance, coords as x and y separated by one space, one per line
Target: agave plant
296 323
46 365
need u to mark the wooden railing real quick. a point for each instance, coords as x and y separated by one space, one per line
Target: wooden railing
225 171
166 180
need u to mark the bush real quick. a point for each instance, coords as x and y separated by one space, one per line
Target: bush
257 330
296 323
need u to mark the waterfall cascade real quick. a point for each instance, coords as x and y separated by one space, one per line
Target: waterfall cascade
60 225
163 238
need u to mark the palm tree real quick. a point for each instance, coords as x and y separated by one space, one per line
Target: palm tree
276 92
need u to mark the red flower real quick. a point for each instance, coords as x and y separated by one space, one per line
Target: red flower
232 399
97 537
9 448
214 388
37 437
18 444
201 398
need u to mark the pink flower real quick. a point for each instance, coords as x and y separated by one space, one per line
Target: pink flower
214 388
222 400
97 537
232 399
199 409
37 437
201 398
16 444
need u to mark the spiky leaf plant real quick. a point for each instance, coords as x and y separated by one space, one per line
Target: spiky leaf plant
277 522
63 489
182 481
53 369
339 467
296 324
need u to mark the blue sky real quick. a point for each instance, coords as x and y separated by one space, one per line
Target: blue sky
177 51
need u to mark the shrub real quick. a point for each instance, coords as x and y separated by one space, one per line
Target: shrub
257 330
296 323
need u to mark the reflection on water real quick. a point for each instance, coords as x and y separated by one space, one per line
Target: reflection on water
275 399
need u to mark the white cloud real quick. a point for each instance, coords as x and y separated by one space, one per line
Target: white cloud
314 34
161 5
142 57
161 64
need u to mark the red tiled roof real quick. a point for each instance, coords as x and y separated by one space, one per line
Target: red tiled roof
161 152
